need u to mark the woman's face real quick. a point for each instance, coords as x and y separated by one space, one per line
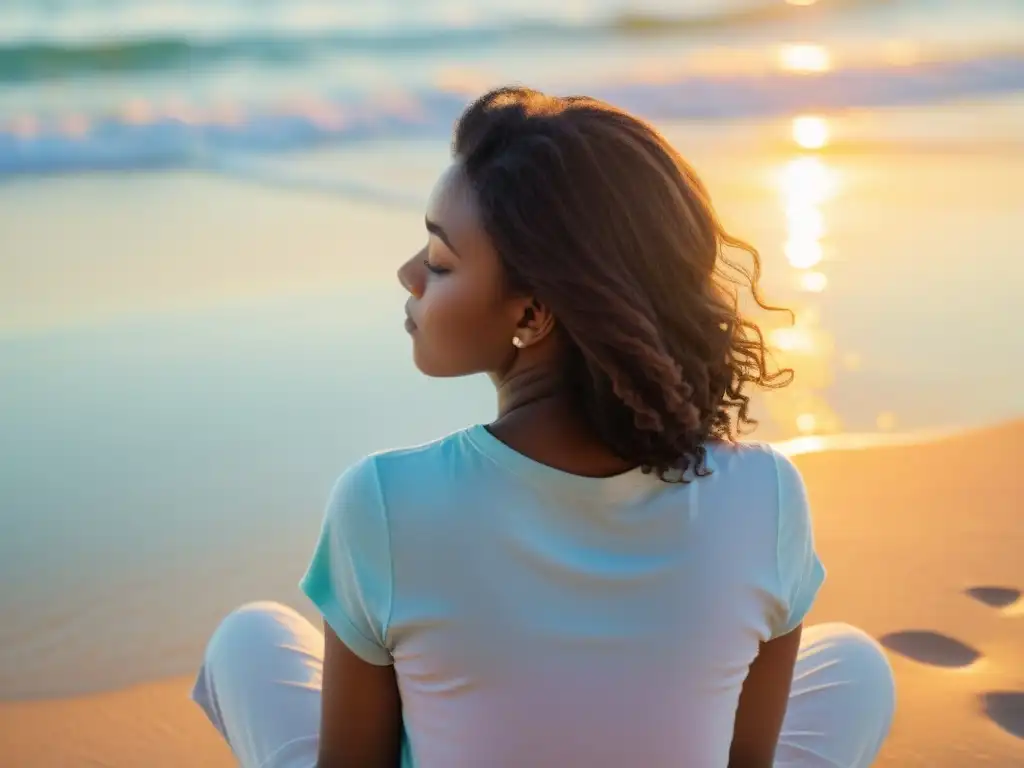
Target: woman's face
459 312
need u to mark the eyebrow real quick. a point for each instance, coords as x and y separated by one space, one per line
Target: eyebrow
438 231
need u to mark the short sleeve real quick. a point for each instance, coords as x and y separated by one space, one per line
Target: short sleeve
800 571
349 578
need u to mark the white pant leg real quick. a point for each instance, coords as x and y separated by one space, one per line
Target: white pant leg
842 701
260 686
261 679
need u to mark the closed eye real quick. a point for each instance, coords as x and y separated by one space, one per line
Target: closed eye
434 268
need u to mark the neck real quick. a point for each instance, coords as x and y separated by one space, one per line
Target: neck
531 392
538 418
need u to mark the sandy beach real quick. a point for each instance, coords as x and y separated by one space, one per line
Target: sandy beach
922 543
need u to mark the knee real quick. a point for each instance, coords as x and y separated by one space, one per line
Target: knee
860 660
253 624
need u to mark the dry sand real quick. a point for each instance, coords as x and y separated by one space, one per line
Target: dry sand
923 545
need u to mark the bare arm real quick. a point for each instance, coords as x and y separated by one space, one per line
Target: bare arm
361 718
763 703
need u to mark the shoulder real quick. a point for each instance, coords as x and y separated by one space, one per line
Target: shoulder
395 476
755 480
424 456
745 463
423 464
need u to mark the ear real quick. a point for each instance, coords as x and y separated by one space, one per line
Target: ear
536 322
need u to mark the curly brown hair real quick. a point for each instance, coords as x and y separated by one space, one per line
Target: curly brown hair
595 214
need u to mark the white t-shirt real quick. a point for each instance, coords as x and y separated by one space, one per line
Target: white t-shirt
538 618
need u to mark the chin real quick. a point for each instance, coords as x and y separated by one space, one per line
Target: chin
433 368
425 365
434 372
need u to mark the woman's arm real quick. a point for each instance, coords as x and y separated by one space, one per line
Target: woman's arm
361 716
763 703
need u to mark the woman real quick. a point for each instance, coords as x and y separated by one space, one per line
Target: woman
602 576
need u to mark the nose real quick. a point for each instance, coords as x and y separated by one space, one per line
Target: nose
411 277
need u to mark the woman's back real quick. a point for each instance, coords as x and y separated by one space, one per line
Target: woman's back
540 618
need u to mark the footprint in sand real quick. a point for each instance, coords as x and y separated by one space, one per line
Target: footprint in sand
1006 599
1005 709
928 647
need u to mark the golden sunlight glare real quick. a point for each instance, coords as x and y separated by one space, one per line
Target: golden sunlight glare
793 339
813 282
807 181
810 131
803 254
804 57
804 220
806 423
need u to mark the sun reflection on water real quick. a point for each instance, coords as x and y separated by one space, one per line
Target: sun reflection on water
806 183
804 219
813 282
806 423
807 179
803 254
810 131
805 58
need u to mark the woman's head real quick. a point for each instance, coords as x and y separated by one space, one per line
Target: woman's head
568 234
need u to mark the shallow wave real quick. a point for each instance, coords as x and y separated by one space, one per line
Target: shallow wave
144 137
45 60
54 55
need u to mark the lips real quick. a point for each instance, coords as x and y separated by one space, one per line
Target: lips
410 326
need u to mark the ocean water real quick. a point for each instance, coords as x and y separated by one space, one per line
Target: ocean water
190 352
100 84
